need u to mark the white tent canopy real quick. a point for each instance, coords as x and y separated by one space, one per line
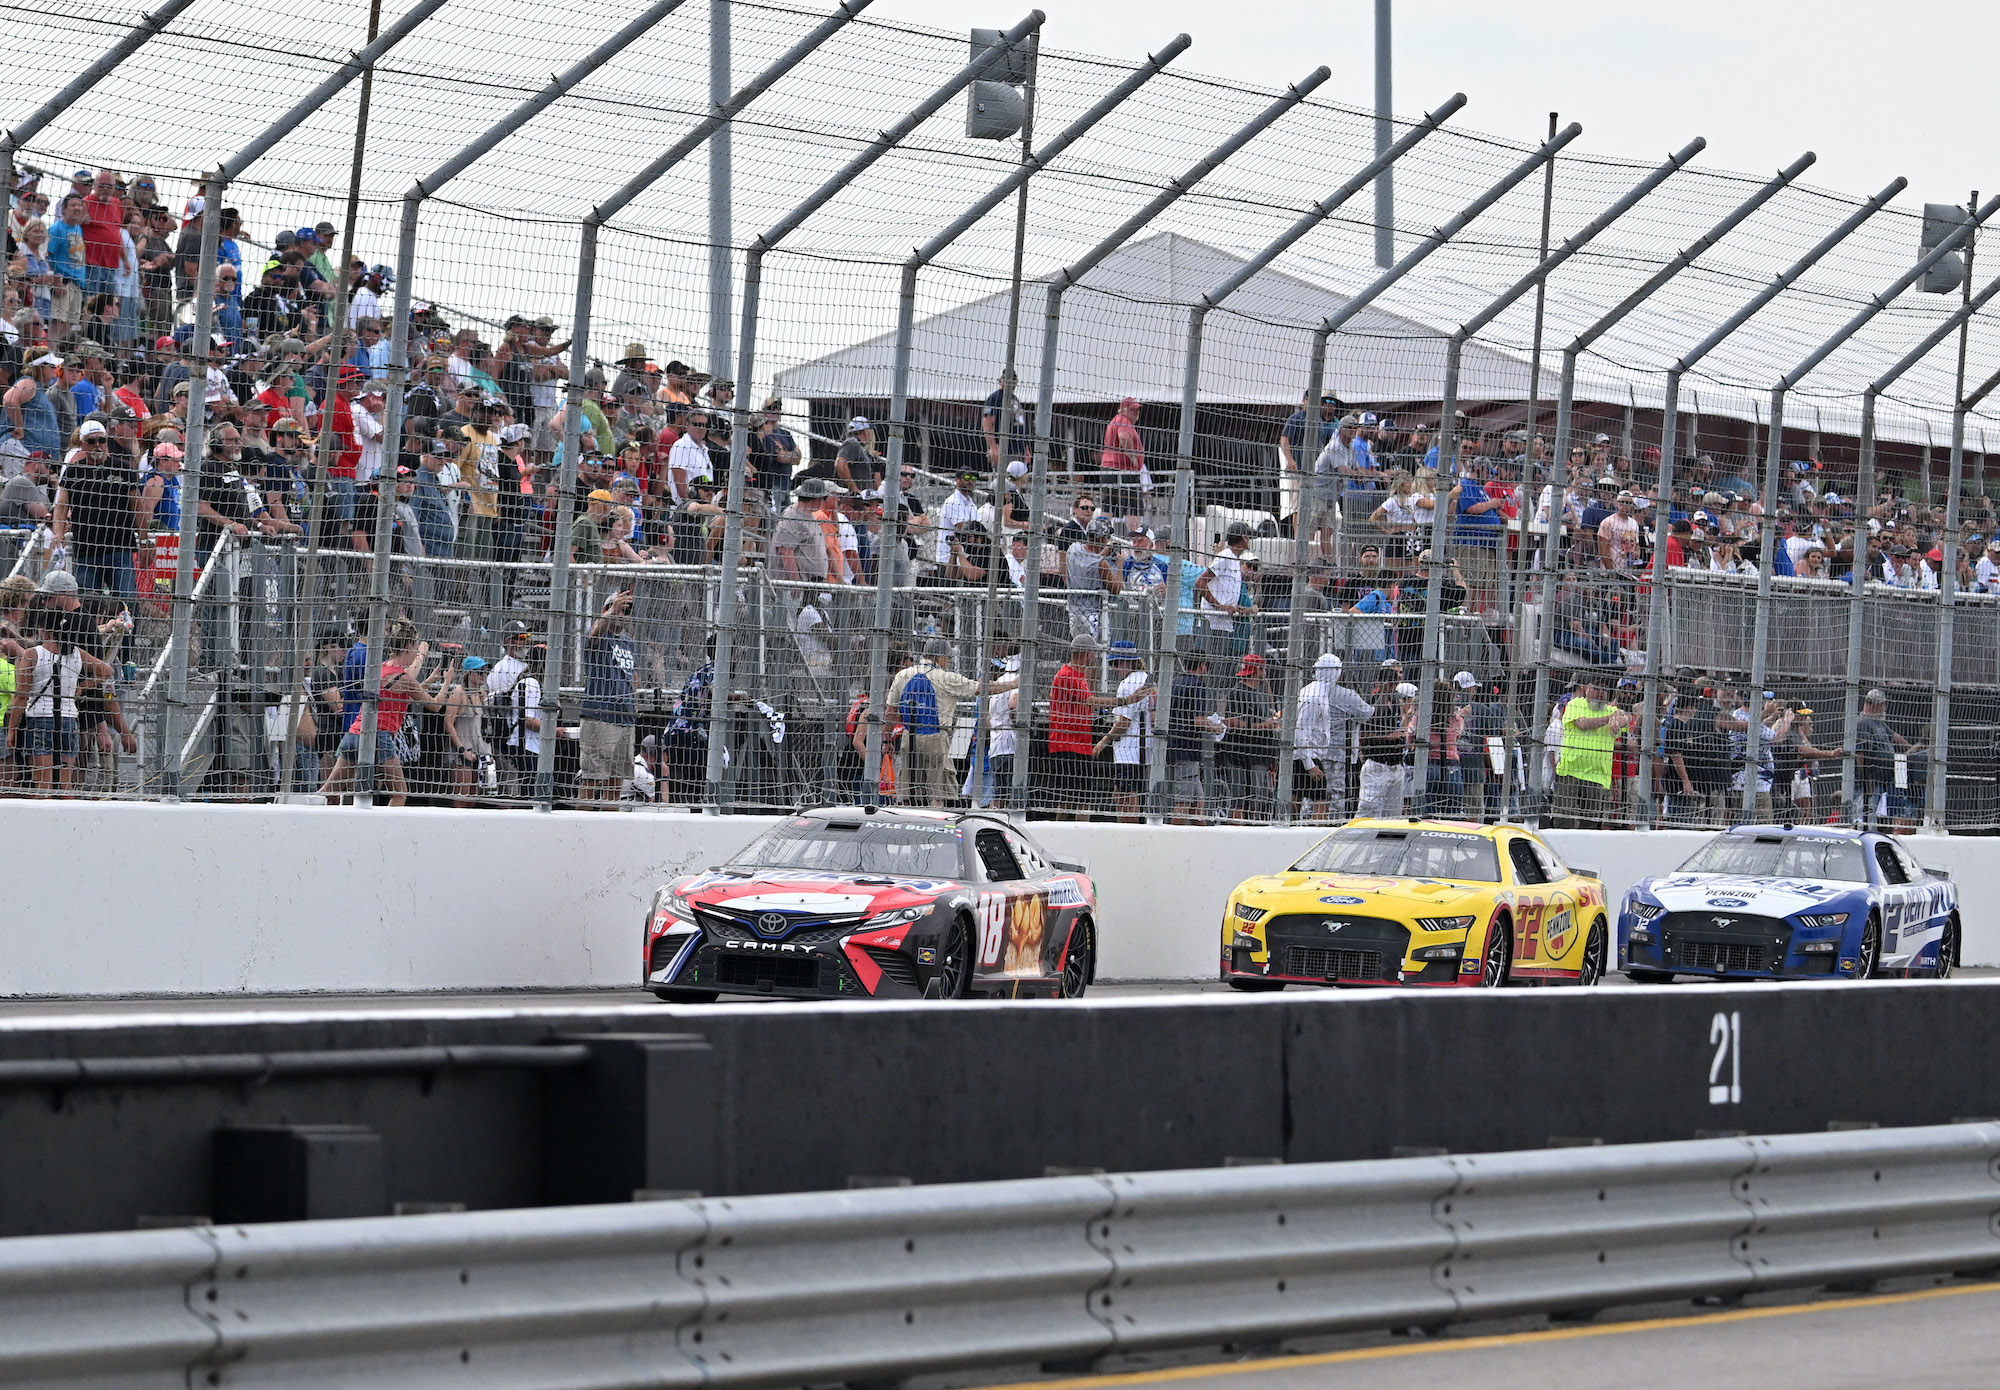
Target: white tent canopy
1125 333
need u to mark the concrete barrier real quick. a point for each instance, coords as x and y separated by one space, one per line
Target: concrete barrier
127 898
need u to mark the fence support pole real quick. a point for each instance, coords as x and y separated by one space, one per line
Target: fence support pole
899 398
746 357
1431 654
579 358
1767 531
1052 300
1565 402
204 326
1940 754
721 171
1161 805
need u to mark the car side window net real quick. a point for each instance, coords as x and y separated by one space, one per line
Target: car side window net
1527 868
1892 868
991 847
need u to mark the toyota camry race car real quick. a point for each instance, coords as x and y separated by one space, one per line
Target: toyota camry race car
1776 903
1418 903
847 903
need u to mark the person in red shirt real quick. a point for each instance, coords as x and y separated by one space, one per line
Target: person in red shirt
103 215
1072 697
346 447
1124 465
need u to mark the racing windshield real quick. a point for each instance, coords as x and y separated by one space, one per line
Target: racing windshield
1405 854
1781 856
867 847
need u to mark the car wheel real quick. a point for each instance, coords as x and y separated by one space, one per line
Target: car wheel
1499 954
1593 955
686 996
1080 960
1871 949
1257 986
954 971
1947 956
1649 977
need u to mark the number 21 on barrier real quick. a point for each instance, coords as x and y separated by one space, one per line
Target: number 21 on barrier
1726 1032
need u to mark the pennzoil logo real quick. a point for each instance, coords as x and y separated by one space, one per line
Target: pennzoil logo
1555 932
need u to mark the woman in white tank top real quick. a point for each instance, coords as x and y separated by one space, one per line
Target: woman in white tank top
42 719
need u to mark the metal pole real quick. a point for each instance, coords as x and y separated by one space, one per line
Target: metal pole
1936 789
1857 609
1448 428
720 173
1313 217
1385 188
899 386
308 596
1767 530
746 354
1516 581
1162 804
204 319
1288 712
579 357
1052 299
1566 392
1656 608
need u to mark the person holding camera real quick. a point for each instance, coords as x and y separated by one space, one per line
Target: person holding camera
610 704
465 726
1095 567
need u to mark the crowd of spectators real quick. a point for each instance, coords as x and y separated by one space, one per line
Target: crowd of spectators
96 345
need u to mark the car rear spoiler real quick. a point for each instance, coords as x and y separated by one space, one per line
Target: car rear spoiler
1069 866
1586 873
1944 874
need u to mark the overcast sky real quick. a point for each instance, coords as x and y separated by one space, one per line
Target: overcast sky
1876 90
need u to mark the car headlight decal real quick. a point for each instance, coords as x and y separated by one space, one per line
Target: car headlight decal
1646 912
1824 919
1447 923
1245 912
896 917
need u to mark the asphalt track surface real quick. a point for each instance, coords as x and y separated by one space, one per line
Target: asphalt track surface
1913 1335
153 1007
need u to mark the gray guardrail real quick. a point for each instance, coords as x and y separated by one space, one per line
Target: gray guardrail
877 1284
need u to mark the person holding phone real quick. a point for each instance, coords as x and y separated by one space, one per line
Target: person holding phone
610 706
402 682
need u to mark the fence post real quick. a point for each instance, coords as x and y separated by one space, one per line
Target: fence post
1162 802
579 359
1565 400
1429 660
1773 463
899 397
1052 299
746 357
204 324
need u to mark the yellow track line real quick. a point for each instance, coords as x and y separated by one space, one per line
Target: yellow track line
1507 1339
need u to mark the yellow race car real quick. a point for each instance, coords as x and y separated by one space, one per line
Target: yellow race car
1418 902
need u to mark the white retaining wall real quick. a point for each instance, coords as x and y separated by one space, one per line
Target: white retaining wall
126 898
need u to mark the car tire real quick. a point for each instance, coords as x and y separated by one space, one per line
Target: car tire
686 996
1257 986
1080 960
954 968
1649 977
1948 948
1499 955
1870 964
1593 964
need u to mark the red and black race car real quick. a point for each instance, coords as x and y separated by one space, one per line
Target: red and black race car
844 902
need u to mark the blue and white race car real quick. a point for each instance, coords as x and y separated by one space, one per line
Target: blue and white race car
1779 903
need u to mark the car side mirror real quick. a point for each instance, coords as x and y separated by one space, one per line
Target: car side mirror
1582 872
1069 866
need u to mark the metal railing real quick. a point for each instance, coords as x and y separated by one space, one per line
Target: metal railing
875 1285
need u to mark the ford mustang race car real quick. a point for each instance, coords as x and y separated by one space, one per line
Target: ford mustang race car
847 903
1418 903
1776 903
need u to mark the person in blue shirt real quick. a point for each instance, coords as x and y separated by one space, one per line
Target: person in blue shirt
1477 525
65 257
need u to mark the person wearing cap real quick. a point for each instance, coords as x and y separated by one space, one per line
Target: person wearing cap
547 374
1769 722
1130 737
1144 571
42 719
772 454
1092 568
924 697
689 458
1618 534
856 464
477 455
1296 452
1247 758
95 513
960 505
1123 480
1385 740
1590 729
1327 711
1338 469
24 498
1876 748
1018 437
1218 592
28 414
